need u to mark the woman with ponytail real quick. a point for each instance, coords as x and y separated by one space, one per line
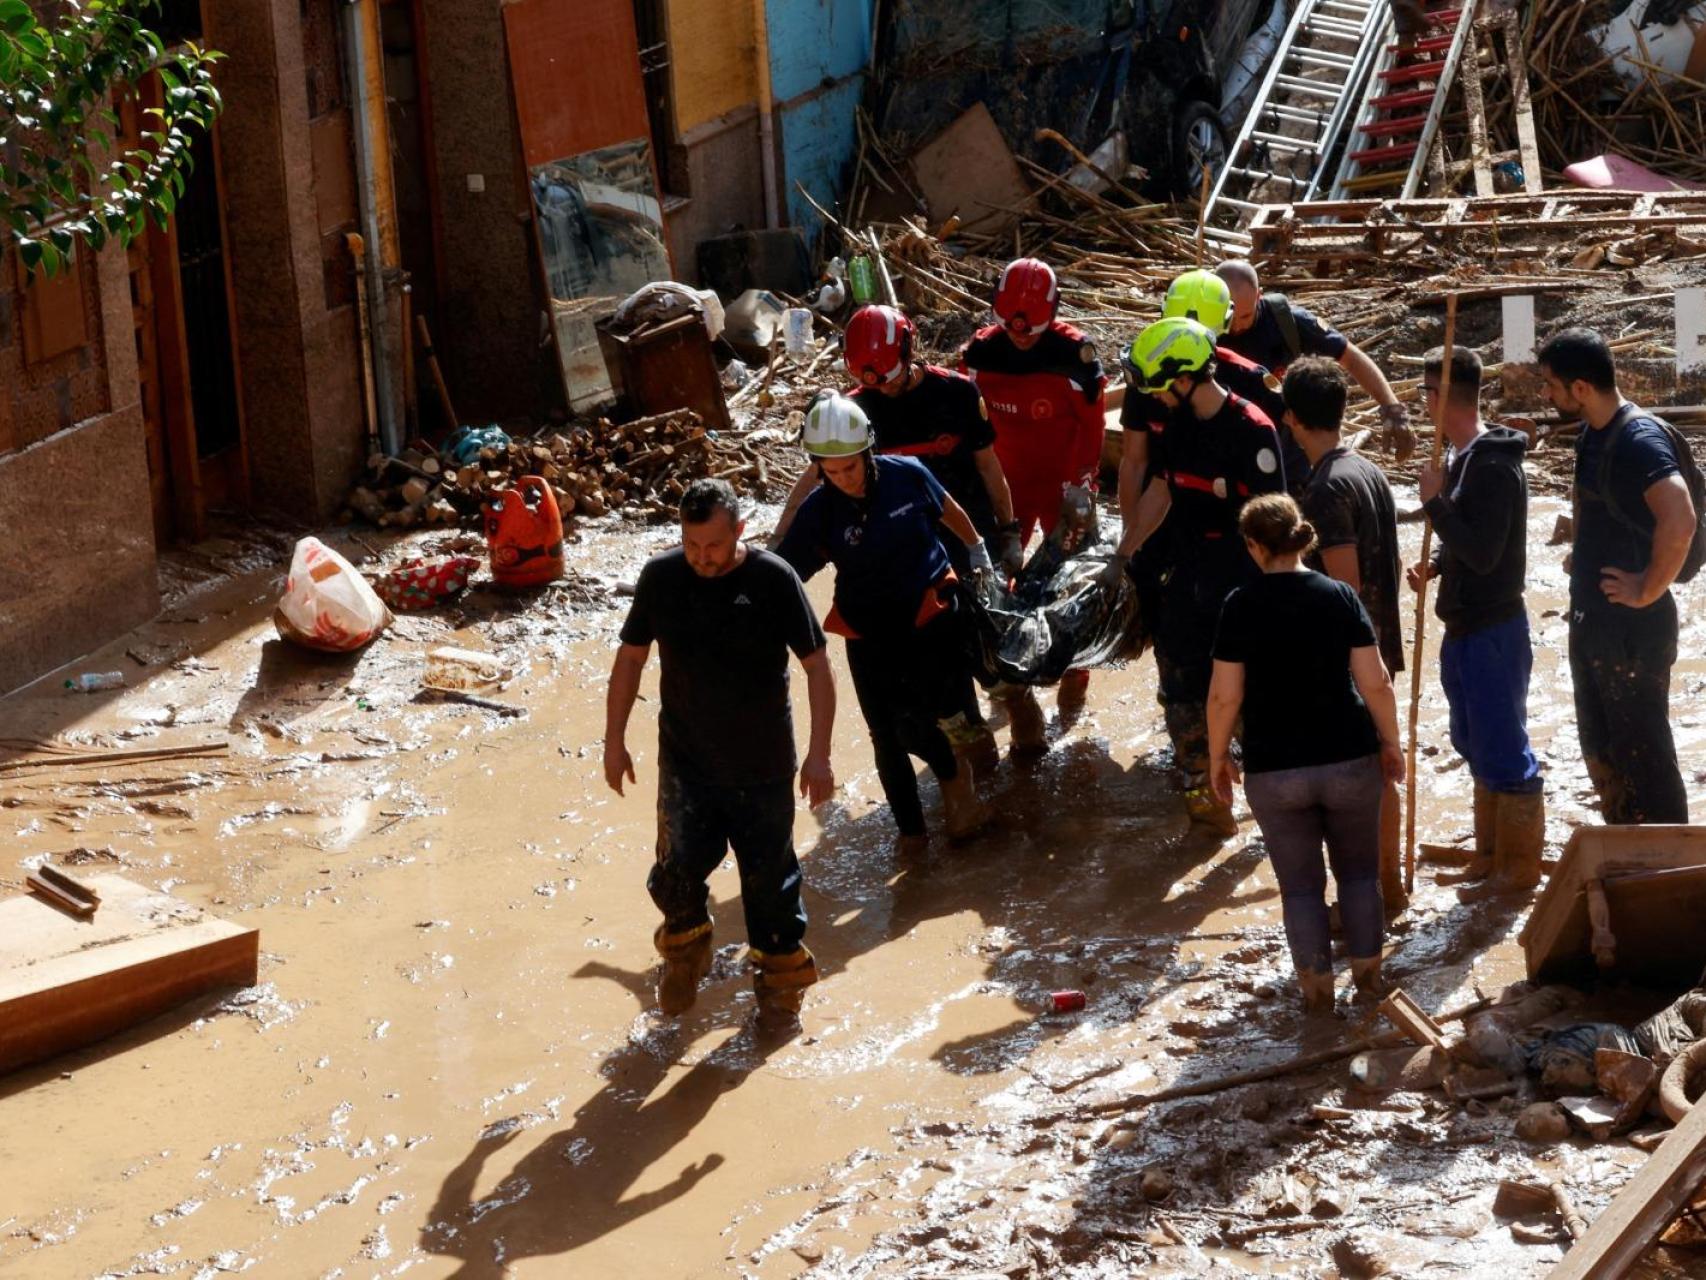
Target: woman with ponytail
1296 655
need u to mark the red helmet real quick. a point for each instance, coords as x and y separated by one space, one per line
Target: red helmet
1027 296
877 345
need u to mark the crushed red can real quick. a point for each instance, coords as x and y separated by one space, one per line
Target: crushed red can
1067 1001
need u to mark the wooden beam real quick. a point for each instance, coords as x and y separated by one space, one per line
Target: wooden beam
1516 64
1653 1197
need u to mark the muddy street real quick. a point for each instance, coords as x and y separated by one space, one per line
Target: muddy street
451 1065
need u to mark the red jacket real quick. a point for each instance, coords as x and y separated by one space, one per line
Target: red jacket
1046 404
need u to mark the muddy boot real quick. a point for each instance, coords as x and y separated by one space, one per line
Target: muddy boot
1317 990
781 983
963 814
1070 696
1366 974
1206 811
1028 730
1520 840
982 752
906 846
686 959
1486 834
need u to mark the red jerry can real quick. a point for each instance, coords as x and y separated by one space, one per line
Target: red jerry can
524 533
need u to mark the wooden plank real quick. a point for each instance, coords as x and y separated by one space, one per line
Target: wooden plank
1410 1018
68 982
1474 99
1653 1197
1516 67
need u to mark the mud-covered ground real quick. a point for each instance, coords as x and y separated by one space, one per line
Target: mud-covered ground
449 1067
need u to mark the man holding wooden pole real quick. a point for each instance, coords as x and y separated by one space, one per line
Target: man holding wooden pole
1478 505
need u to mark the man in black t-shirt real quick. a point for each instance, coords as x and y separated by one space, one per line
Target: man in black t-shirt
1349 502
1635 521
724 616
1273 331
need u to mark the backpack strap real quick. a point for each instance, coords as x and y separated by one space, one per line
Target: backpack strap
1279 306
1602 482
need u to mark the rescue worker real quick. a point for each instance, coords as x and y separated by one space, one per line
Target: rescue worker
1044 385
1271 330
936 416
1214 452
878 520
724 616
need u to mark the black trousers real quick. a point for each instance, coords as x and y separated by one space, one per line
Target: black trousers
1189 607
906 683
697 824
1620 663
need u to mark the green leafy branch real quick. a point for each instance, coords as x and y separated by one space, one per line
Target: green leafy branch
66 175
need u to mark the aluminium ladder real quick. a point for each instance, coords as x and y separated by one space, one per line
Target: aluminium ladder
1397 125
1307 94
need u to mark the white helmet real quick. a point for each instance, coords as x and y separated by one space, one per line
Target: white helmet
836 427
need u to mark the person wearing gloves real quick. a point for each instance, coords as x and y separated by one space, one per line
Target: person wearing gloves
1295 654
1271 330
1043 383
880 520
1214 452
938 417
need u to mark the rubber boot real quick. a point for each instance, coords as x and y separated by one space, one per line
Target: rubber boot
906 846
686 959
1392 892
1366 974
1486 834
1070 696
1520 841
1317 990
1206 810
781 982
963 814
973 744
1025 722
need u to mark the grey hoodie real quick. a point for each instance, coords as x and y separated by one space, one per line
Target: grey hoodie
1481 521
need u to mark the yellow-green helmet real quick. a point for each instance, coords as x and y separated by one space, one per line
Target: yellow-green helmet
1166 350
836 427
1201 296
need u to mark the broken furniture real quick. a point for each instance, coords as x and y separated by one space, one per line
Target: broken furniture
658 369
1625 901
68 980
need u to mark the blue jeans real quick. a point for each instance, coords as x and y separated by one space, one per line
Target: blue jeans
1298 811
1485 674
697 824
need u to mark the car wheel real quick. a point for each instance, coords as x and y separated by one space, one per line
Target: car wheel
1198 139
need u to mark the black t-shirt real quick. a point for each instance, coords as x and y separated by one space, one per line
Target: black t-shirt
944 423
1213 466
1264 341
724 643
1641 456
1350 504
1294 633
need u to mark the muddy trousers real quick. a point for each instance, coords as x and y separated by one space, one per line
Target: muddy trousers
906 684
698 822
1184 663
1620 663
1485 676
1298 811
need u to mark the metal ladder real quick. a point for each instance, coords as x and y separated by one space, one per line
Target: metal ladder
1314 79
1398 121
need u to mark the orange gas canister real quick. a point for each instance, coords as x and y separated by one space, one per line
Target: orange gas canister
524 533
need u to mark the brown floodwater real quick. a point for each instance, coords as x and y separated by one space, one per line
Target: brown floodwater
451 1066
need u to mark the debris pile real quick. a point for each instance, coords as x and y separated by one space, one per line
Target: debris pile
640 467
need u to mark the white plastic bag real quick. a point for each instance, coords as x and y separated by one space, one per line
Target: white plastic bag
327 604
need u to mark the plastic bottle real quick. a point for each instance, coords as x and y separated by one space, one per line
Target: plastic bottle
863 277
95 681
798 332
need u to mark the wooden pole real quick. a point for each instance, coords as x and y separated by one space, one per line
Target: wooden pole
1422 606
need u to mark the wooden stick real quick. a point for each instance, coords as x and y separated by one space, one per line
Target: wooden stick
425 335
1422 607
146 755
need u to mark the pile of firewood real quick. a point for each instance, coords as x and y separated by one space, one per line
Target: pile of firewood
642 467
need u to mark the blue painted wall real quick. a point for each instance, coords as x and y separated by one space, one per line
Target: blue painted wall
819 52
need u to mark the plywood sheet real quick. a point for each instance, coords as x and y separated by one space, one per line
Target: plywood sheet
968 169
65 982
575 65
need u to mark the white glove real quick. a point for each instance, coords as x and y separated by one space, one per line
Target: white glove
980 561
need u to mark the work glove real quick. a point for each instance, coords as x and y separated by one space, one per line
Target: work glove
1012 550
1113 571
980 561
1398 433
